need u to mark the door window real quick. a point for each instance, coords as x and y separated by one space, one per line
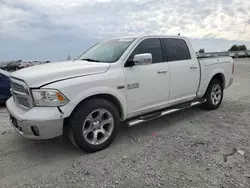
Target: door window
152 46
176 49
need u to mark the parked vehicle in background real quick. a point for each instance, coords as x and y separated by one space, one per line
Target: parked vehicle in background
24 65
39 62
12 66
4 86
19 64
131 79
241 54
248 53
232 54
208 55
35 63
3 65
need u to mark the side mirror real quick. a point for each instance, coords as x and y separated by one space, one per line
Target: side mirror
143 59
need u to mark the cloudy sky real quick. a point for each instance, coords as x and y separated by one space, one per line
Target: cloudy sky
52 29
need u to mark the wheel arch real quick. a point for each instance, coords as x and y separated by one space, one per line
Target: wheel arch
220 76
114 97
109 97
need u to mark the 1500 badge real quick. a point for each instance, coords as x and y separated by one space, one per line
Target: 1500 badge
133 86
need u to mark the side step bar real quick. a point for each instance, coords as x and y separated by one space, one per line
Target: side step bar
171 110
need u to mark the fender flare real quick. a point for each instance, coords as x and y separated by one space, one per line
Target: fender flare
211 76
92 92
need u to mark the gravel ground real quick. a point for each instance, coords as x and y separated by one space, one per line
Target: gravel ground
185 149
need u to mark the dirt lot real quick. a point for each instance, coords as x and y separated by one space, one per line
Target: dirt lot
185 149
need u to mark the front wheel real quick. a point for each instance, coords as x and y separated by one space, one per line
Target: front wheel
213 95
94 125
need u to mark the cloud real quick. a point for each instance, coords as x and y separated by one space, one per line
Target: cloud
60 21
105 18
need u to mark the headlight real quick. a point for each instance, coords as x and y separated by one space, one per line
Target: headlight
49 97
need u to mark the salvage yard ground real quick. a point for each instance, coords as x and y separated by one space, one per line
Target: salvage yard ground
191 148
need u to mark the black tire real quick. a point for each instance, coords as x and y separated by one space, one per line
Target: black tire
209 104
78 117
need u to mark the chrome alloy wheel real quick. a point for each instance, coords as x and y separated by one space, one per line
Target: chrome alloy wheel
216 94
98 126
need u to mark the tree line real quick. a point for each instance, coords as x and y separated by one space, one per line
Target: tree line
238 48
233 48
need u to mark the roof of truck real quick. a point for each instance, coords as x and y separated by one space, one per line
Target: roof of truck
160 36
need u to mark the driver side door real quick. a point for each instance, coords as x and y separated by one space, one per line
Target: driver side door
147 85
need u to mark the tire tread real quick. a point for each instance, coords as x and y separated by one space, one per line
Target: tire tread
208 104
75 123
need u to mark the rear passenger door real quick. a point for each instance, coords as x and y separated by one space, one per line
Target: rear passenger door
184 71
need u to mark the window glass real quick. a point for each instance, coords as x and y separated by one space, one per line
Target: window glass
109 51
152 46
176 49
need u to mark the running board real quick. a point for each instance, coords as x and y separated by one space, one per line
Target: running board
171 110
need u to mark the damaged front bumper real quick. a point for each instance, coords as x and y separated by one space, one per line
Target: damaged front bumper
39 123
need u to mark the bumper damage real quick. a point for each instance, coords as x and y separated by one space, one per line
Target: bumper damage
39 123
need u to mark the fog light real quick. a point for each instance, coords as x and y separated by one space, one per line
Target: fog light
35 130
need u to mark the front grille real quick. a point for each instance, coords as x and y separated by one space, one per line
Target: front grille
20 93
22 100
18 87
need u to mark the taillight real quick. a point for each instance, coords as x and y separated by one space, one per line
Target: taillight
233 69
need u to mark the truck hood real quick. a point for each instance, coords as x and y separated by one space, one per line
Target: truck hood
39 75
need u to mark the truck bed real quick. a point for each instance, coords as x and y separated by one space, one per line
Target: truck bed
215 60
212 66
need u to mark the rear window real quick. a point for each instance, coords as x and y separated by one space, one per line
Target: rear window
176 49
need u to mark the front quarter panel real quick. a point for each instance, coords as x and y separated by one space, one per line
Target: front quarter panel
78 89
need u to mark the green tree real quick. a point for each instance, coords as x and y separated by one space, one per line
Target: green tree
234 48
238 48
242 47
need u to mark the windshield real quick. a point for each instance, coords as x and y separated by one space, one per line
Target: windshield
109 51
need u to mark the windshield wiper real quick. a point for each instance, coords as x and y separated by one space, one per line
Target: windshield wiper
92 60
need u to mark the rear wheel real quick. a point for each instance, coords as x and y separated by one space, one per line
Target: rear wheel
93 125
213 95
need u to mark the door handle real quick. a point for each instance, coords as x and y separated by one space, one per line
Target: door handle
162 71
193 67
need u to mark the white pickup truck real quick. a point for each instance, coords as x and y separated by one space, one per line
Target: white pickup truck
130 79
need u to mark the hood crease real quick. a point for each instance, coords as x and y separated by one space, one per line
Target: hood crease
41 75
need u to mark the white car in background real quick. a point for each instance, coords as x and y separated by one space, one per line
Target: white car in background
232 54
25 65
242 54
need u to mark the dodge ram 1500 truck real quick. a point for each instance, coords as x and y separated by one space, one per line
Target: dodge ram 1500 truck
130 79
